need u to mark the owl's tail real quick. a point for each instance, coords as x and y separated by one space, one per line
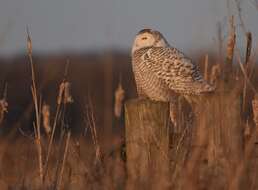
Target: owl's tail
204 87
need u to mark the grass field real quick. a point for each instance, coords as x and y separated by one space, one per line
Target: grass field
63 126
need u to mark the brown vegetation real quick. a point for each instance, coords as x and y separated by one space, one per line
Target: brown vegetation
67 131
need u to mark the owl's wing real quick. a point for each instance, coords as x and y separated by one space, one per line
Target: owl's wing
176 70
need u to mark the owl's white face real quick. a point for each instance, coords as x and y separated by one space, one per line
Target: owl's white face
148 38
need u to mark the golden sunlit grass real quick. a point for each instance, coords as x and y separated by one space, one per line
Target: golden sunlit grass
213 146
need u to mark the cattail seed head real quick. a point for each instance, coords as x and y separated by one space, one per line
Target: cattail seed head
119 98
29 43
60 93
3 109
231 41
248 47
98 155
206 66
64 95
67 93
255 109
46 118
247 129
215 73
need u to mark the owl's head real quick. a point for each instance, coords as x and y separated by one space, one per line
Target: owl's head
148 38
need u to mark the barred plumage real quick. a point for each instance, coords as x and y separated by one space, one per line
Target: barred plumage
162 72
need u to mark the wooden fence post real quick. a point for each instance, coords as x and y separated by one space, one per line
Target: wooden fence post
217 146
147 144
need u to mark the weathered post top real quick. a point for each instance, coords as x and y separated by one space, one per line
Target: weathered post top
147 143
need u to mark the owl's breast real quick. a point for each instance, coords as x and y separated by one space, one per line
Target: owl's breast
148 83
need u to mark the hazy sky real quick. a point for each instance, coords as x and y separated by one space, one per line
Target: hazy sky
58 25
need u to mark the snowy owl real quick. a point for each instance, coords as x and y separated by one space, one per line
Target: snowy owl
162 72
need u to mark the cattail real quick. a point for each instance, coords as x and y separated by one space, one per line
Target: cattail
64 95
215 73
46 118
37 105
255 109
3 104
98 155
248 47
67 93
3 109
119 98
29 43
247 129
206 65
61 92
247 58
220 42
231 41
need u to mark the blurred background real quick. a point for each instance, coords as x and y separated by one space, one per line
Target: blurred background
94 25
96 36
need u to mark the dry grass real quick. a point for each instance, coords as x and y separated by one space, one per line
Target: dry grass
212 150
83 146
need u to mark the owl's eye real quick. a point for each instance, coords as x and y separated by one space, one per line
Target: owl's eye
144 38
